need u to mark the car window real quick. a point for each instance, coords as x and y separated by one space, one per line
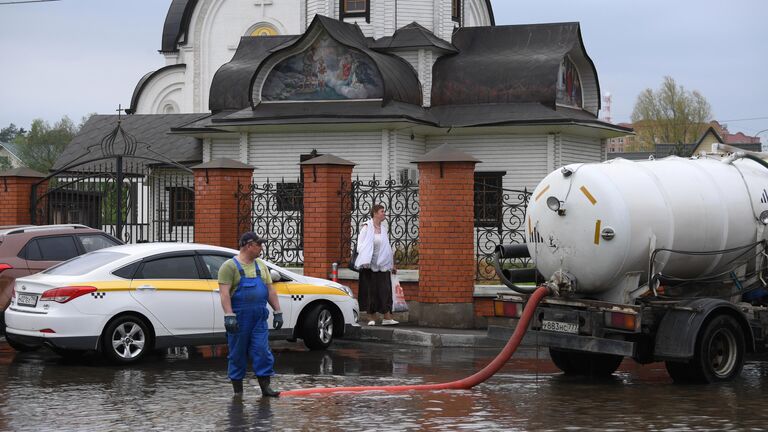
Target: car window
84 263
92 242
213 264
128 271
60 248
31 251
177 267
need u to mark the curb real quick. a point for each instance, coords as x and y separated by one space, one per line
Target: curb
405 336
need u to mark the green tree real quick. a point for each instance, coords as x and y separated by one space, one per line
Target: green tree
40 147
670 114
10 132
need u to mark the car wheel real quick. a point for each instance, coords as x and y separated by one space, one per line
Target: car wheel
317 328
18 346
584 363
126 340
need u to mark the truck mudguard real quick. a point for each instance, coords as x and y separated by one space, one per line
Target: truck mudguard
677 333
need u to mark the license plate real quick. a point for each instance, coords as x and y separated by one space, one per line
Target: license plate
26 300
561 327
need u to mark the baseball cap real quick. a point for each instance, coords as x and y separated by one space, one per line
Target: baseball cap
250 236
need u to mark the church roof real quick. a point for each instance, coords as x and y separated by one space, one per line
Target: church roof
413 35
231 85
529 56
177 24
149 130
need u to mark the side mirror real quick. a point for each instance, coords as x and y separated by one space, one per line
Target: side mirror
275 275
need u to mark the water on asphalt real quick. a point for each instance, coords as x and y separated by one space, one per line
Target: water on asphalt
186 389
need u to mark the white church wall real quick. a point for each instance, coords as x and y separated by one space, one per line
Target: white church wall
420 11
523 157
575 149
276 155
225 148
409 149
166 89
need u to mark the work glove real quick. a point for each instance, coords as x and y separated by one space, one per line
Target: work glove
230 323
277 321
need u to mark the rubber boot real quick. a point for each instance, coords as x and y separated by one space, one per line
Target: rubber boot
266 390
237 386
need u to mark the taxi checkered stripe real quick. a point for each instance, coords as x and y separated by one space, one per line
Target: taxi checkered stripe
297 297
98 295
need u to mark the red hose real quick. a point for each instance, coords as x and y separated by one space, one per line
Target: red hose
465 383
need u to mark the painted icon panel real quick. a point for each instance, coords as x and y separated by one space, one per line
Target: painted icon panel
325 71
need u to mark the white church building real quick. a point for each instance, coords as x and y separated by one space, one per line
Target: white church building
376 82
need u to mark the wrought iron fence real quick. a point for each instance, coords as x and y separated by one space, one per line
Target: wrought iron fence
274 211
401 200
123 196
499 219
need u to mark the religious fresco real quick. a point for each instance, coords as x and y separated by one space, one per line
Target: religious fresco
569 85
325 71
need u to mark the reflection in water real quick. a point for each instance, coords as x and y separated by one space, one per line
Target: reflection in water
188 390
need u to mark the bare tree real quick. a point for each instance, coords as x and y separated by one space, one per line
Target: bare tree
669 115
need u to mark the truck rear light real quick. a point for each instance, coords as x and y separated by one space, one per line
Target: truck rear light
507 309
65 294
621 320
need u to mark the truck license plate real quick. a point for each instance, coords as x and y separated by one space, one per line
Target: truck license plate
26 300
561 327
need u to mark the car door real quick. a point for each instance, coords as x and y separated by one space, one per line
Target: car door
171 287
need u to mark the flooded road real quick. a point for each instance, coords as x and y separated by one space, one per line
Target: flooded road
187 390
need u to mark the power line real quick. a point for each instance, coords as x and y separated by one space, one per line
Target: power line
24 1
745 119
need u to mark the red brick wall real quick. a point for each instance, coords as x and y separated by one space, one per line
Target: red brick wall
484 307
15 193
322 216
410 289
216 205
446 233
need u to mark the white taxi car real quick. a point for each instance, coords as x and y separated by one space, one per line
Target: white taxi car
128 300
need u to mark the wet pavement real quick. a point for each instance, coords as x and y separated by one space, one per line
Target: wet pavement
186 389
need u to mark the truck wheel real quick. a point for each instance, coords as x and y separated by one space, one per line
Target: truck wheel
317 328
583 363
719 354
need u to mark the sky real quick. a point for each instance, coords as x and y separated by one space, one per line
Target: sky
75 57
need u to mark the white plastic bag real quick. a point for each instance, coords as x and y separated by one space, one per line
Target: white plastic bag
398 297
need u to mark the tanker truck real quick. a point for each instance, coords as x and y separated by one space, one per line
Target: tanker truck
658 260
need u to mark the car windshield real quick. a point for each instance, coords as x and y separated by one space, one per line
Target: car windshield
84 263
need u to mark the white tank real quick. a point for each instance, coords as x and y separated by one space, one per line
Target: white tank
674 203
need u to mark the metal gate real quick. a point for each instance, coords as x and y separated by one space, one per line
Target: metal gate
132 197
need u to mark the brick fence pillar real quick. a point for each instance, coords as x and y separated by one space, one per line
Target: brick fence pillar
16 193
323 209
446 239
216 206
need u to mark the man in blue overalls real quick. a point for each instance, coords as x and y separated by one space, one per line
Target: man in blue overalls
245 288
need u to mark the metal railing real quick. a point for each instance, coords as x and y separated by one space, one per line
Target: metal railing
274 211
